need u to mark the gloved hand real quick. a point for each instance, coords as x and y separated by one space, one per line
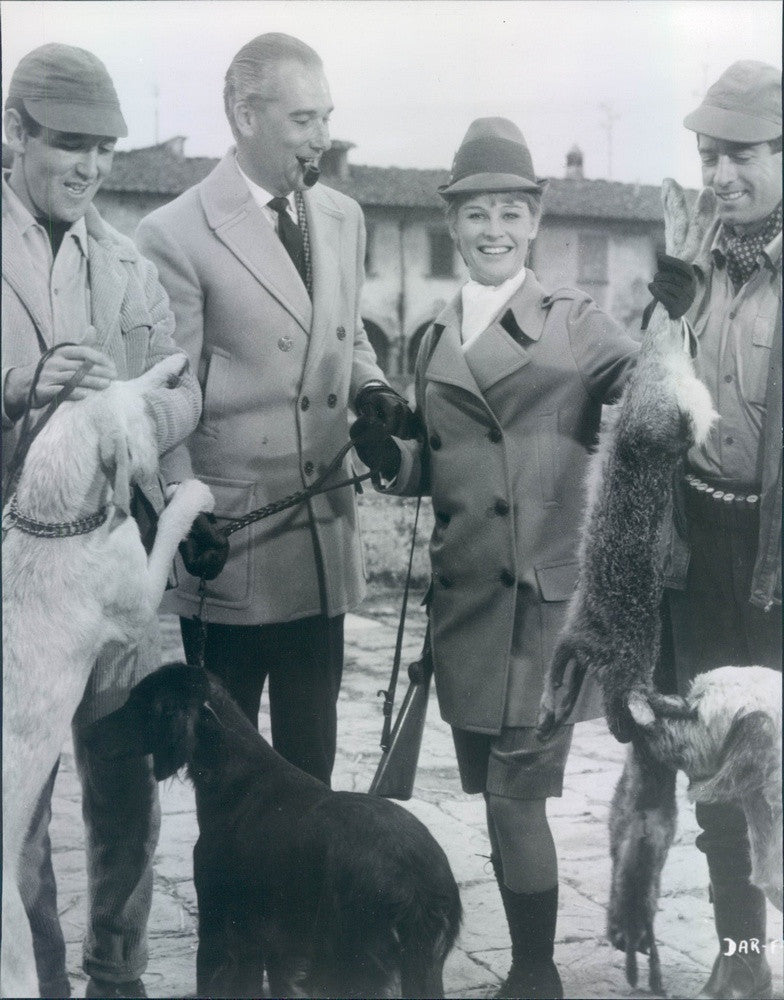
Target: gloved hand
382 404
205 548
674 285
375 446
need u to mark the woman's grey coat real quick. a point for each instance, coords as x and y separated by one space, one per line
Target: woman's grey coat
510 426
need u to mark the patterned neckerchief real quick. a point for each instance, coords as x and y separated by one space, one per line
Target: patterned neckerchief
741 251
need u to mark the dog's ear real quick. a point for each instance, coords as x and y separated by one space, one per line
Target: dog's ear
114 457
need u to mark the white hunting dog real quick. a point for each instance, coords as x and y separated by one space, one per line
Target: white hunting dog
65 598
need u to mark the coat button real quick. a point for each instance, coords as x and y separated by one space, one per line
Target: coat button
341 332
285 344
435 442
495 435
501 507
443 517
506 578
332 399
304 403
308 468
445 582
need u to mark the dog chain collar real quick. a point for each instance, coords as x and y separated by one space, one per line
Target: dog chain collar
61 529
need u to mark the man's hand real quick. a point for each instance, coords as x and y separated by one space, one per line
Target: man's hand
57 371
205 548
375 446
381 404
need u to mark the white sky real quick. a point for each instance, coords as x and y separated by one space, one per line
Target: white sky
408 76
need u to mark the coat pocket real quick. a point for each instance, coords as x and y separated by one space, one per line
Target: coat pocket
547 444
233 587
756 386
216 386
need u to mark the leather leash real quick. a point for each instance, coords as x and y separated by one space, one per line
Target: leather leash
389 694
319 486
28 435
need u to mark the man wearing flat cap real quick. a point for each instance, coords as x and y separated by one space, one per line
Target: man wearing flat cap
70 279
725 598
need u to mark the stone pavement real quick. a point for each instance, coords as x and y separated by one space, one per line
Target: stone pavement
589 966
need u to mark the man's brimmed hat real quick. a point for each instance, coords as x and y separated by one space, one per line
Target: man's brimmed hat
493 156
743 105
67 89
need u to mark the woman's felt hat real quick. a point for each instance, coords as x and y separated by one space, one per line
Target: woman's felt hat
493 156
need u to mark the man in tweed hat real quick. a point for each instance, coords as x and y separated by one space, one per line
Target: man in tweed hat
725 601
69 278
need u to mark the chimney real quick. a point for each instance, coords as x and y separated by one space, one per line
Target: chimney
334 163
574 164
175 147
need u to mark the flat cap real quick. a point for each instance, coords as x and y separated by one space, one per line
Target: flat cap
743 105
67 89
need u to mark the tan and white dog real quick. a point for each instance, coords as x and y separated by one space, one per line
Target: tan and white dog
66 597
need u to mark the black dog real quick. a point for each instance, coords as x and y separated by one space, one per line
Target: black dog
336 893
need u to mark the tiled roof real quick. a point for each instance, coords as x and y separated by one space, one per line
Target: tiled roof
408 187
156 170
163 170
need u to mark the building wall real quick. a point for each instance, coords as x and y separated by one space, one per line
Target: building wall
398 306
629 258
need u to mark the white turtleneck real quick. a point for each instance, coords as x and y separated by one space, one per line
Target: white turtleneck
482 303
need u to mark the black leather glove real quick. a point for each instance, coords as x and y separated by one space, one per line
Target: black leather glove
385 406
674 285
374 445
205 548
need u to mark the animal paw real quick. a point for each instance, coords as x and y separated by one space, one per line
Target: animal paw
562 688
195 496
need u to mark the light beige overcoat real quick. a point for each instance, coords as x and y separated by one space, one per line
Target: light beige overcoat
277 373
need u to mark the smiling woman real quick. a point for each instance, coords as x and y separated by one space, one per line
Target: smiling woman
510 383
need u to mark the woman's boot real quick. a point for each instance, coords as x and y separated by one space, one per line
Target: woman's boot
531 917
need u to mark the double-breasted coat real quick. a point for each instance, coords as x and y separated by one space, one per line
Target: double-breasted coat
277 373
510 426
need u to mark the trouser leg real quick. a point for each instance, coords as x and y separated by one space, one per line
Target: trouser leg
304 687
739 908
304 662
38 890
234 654
122 822
122 819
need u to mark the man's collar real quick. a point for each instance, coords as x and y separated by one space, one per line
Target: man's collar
261 196
24 219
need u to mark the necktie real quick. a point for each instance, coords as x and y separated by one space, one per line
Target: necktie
290 236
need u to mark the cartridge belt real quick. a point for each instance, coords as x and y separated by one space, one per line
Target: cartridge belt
731 506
